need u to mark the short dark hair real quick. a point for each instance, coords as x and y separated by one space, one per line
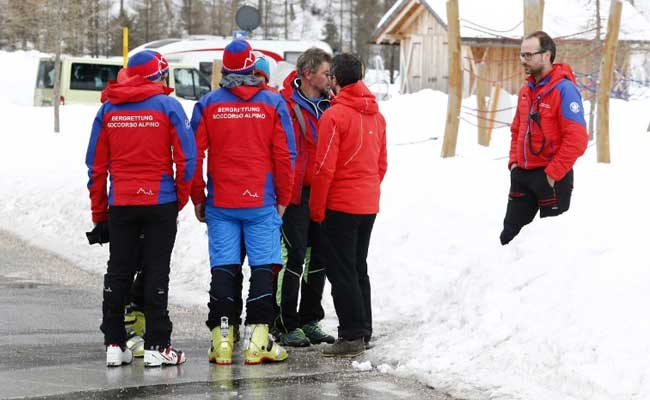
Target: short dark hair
546 43
311 59
347 68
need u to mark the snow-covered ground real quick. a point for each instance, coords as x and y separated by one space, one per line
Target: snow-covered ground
557 314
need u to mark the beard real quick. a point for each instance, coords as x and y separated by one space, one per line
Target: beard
532 70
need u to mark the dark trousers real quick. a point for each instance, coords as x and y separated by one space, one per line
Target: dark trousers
530 192
301 245
233 301
225 291
346 241
126 223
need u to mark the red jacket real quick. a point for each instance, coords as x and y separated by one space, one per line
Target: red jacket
350 156
305 141
549 126
137 134
247 133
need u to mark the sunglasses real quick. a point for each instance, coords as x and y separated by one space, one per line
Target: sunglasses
527 55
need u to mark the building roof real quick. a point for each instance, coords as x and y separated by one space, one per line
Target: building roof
503 19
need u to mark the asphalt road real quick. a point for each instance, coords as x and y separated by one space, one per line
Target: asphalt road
51 347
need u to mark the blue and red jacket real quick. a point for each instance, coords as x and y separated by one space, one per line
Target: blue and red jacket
548 129
137 134
351 156
251 150
305 141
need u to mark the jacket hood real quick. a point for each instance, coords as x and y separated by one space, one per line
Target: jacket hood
290 83
242 86
357 96
560 71
132 90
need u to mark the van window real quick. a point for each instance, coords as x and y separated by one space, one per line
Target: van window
292 56
206 68
190 84
92 76
45 77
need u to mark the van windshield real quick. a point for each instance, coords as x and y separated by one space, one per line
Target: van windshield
45 77
190 84
92 76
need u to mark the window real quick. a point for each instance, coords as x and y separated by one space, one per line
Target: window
92 76
292 56
45 77
190 84
206 68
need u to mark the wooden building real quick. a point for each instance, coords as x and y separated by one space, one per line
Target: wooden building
490 44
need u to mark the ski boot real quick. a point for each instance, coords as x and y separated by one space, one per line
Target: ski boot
134 321
223 339
259 347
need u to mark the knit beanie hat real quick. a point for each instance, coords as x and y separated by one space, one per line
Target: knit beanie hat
238 58
149 64
262 67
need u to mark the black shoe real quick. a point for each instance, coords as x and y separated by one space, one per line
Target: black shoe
345 348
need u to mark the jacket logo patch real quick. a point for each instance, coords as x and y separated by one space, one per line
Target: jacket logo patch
248 193
145 192
574 107
544 105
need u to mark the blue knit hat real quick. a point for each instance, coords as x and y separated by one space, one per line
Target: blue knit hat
238 58
262 67
149 64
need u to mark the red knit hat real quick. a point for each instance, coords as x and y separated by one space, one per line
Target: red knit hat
238 58
149 64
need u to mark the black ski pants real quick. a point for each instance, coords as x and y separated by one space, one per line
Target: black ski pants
346 241
126 223
301 246
530 192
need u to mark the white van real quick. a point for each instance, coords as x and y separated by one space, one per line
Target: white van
201 51
83 79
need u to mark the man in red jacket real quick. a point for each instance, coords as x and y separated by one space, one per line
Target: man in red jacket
350 166
247 134
548 136
306 91
139 135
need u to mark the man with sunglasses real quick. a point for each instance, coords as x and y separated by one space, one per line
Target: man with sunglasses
306 91
548 136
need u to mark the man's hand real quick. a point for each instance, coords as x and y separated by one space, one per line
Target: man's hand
550 180
513 166
199 211
281 210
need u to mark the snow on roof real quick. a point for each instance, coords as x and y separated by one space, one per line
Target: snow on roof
496 19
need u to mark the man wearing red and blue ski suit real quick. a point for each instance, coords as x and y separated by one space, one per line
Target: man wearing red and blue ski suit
246 131
306 91
138 137
548 136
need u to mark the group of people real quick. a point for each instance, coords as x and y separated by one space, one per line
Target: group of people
292 180
293 184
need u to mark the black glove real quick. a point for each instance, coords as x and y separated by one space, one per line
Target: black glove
99 234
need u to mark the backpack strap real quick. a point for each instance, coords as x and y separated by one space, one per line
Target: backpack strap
300 118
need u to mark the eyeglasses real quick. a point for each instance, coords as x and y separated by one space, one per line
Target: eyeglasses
527 56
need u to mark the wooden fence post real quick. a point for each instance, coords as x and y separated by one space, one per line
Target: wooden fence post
605 81
455 80
482 92
533 16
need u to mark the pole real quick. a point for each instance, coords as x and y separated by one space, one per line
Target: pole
605 81
455 80
481 94
533 16
125 45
